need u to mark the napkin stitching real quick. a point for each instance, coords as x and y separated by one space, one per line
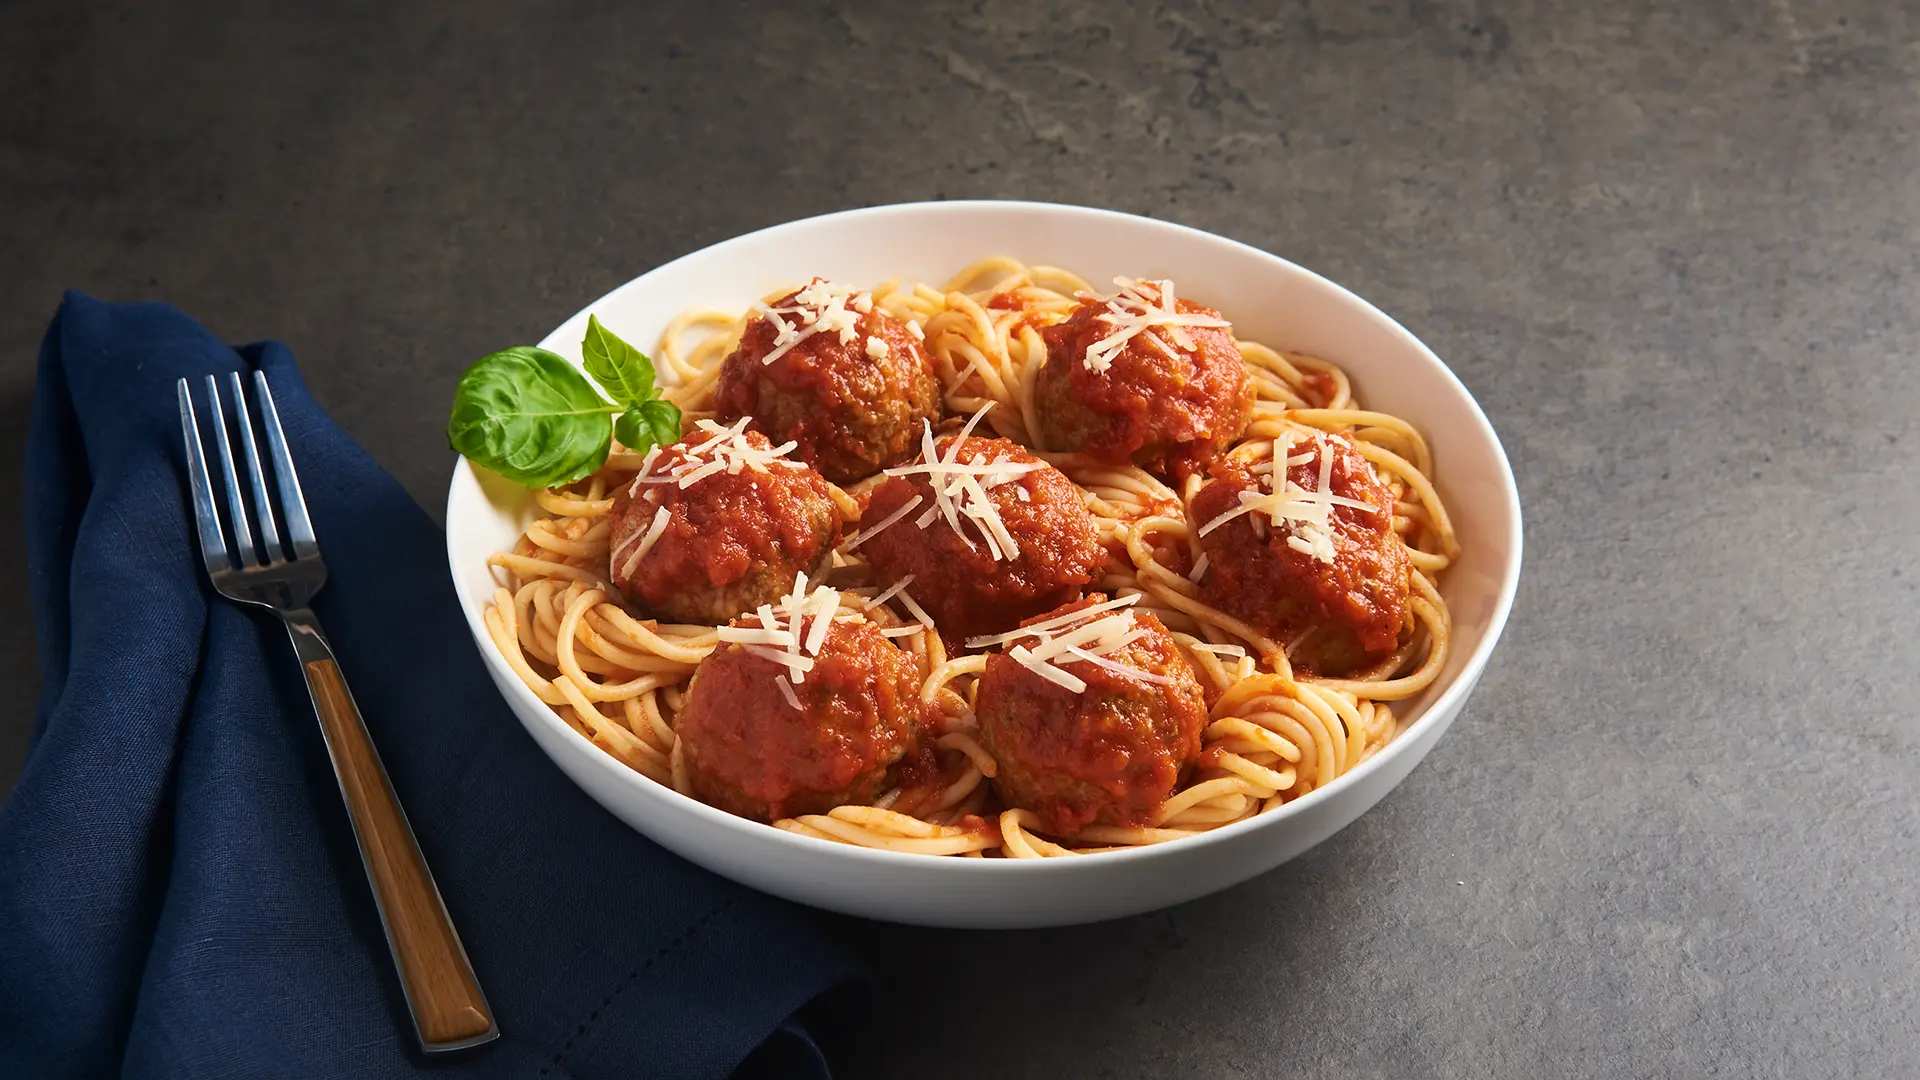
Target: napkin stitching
633 976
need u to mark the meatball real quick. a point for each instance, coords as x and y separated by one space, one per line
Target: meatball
751 752
1334 609
1108 754
1153 399
731 541
967 579
849 383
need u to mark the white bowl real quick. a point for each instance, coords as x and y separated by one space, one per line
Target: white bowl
1269 300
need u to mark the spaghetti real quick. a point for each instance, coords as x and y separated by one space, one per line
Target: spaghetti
1270 737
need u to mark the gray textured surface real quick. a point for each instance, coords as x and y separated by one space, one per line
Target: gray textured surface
1671 248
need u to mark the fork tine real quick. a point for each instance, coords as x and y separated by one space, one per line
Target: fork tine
236 504
263 506
299 528
213 543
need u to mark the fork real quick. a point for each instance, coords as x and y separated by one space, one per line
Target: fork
449 1010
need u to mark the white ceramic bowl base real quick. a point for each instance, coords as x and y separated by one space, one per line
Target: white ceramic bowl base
1269 300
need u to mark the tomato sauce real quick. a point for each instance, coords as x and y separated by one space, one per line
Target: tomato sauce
1320 386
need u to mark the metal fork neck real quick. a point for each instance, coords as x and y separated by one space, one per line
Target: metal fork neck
309 641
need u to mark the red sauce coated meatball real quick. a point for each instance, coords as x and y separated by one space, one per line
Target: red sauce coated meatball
956 576
853 400
733 540
1158 405
1332 616
1108 755
749 752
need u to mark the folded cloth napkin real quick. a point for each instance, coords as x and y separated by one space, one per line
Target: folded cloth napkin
179 890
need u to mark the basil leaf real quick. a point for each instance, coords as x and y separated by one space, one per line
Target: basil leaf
651 422
622 370
530 416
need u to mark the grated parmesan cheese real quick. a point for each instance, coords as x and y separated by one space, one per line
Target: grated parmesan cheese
727 449
1047 626
646 467
1306 515
1147 310
784 636
913 608
883 524
754 635
786 691
892 591
1119 668
1091 634
822 604
821 307
694 476
961 490
795 604
661 517
1109 631
799 665
1065 679
1218 650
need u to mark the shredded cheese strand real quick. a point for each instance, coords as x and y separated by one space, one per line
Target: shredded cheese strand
1134 311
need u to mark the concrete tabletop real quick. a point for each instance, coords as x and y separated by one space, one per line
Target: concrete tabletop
1673 249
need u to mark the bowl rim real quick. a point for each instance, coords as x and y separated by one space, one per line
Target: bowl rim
1451 696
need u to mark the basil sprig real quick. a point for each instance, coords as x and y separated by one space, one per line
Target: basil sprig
529 415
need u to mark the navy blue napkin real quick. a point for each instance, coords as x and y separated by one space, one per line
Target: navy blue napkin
179 891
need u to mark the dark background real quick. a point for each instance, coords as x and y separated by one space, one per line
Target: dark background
1672 248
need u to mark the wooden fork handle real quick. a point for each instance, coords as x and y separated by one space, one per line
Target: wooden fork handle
449 1010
